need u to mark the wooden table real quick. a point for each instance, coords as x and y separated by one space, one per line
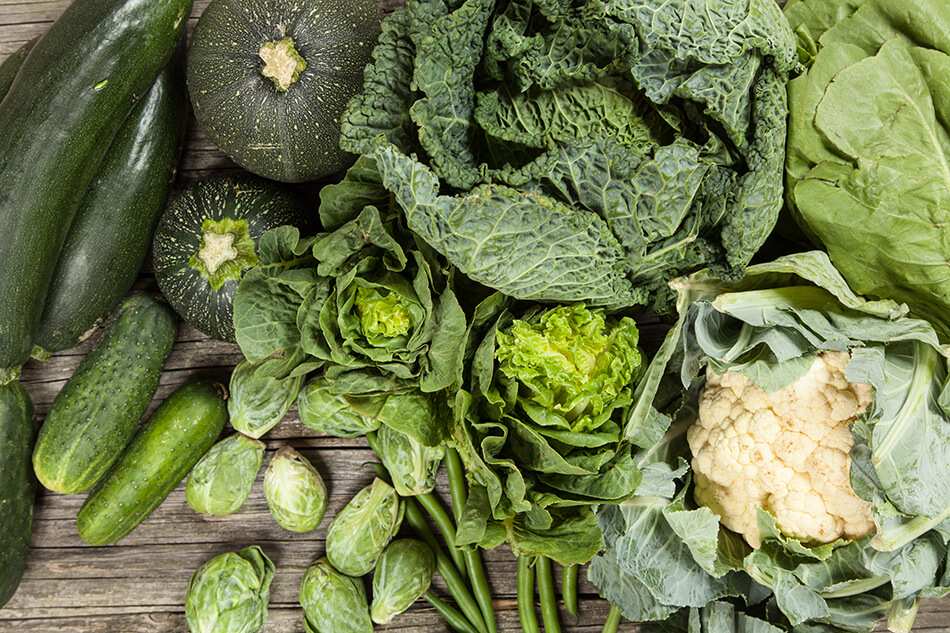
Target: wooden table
138 584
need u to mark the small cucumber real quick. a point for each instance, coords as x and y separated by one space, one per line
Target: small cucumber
98 409
169 444
17 486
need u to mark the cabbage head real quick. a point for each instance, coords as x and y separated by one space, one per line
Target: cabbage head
230 592
667 557
867 169
580 151
541 431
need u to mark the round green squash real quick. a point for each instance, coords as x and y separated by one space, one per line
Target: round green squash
208 238
269 80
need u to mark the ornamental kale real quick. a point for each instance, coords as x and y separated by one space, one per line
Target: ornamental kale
580 151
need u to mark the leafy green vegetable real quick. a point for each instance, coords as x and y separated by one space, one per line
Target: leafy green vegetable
867 170
411 464
295 492
258 402
402 575
584 151
364 527
220 482
326 412
230 592
333 602
541 432
664 552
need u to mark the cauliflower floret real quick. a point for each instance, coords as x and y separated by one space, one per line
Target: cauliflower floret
785 452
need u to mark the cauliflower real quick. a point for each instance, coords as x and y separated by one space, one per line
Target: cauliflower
785 452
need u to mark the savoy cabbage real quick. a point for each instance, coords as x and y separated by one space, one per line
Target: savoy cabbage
588 150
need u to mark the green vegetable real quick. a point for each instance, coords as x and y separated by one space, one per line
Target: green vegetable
363 528
221 480
632 141
295 492
257 403
207 239
867 169
411 464
270 98
363 301
91 421
526 602
403 574
452 616
112 230
11 66
42 177
333 602
17 486
230 592
326 412
665 551
541 432
165 448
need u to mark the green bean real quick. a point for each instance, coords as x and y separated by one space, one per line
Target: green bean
549 615
569 588
529 619
613 621
444 522
451 615
473 560
453 579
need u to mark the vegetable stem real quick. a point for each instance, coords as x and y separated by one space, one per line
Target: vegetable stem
526 614
451 615
613 621
569 589
546 595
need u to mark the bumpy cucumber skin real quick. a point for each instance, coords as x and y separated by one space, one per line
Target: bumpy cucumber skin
169 444
69 98
112 230
96 412
17 485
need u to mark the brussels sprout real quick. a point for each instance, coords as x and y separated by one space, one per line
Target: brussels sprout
229 593
402 575
411 464
333 602
295 492
220 482
258 403
363 528
331 413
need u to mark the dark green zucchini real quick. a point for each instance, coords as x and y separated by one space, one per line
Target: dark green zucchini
112 230
11 66
70 97
98 409
17 486
163 451
208 238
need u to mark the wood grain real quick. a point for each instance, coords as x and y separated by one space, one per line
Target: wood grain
138 584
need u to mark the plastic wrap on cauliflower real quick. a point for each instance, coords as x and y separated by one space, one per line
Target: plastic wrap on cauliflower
785 452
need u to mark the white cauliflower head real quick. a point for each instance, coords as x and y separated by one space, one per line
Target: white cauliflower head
785 452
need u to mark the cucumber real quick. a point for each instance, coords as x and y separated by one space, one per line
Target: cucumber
17 486
112 230
169 444
11 66
96 412
68 101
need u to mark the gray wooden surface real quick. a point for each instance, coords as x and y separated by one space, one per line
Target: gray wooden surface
138 584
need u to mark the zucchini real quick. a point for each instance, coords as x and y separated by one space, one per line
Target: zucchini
11 66
96 412
17 486
112 230
169 444
71 95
